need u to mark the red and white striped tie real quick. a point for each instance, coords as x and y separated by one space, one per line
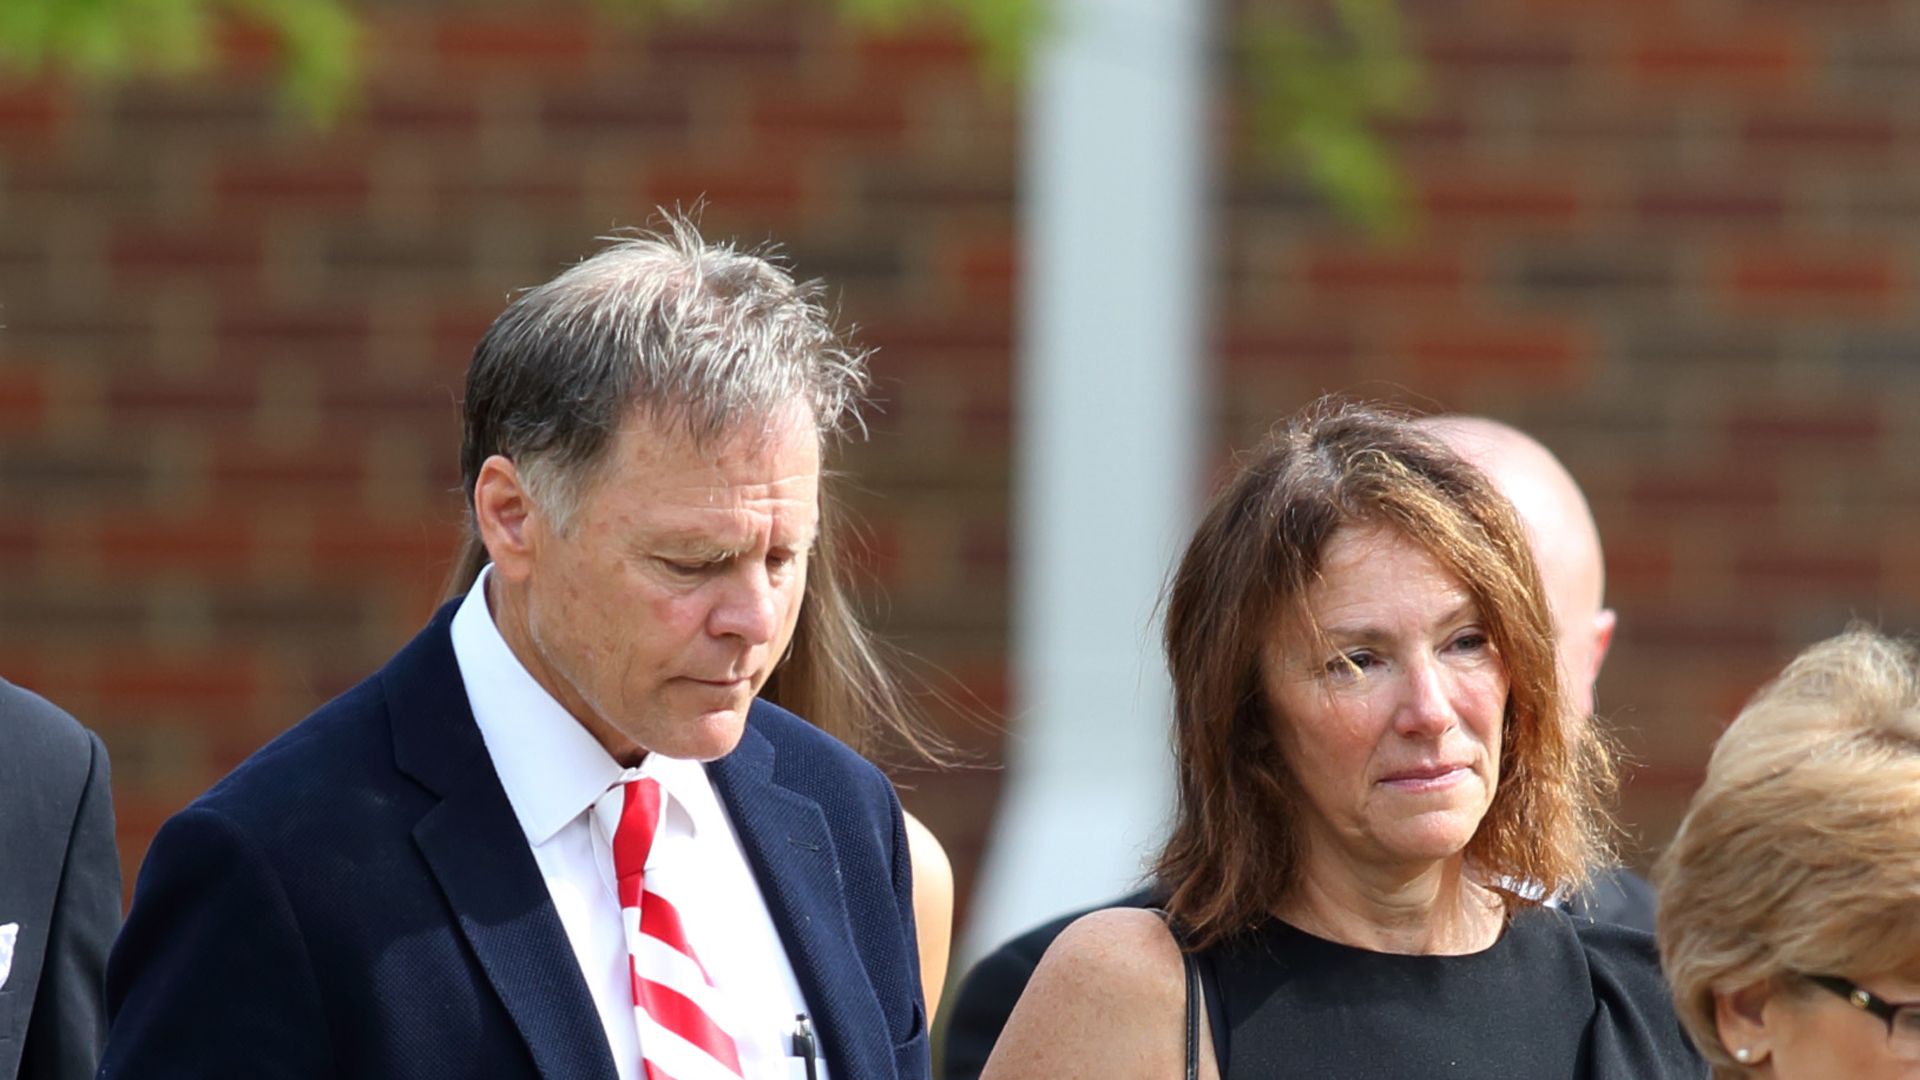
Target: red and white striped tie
674 1001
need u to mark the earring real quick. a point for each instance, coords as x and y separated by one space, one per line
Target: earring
1743 1055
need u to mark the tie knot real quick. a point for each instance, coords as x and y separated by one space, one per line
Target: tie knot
640 811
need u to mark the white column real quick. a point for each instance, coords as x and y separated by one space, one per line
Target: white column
1107 416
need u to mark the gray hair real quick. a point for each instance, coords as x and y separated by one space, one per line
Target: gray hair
715 339
690 332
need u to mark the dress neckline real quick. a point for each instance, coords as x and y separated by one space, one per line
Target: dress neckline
1279 931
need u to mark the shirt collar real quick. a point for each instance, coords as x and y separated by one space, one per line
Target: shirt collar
690 806
686 781
551 767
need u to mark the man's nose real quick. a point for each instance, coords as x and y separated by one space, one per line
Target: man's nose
1426 706
749 607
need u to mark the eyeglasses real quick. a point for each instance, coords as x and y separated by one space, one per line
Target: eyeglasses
1902 1017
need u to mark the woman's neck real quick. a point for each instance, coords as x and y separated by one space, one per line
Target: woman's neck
1434 910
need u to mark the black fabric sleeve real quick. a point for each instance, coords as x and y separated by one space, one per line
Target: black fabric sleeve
211 978
69 1022
1635 1033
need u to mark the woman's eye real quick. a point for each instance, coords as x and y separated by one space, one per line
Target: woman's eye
1347 665
1472 641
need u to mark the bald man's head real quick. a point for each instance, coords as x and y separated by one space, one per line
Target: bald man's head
1565 542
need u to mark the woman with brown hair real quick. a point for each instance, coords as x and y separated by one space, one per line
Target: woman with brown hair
1790 900
1378 788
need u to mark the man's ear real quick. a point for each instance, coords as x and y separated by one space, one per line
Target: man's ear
1603 623
1740 1016
505 514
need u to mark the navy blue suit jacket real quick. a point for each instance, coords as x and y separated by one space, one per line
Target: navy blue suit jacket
357 900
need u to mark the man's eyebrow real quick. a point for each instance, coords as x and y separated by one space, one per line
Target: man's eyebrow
697 542
685 542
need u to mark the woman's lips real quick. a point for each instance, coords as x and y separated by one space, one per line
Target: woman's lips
1426 777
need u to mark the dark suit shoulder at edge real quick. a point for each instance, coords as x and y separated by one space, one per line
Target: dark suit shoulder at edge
354 728
350 728
1620 896
30 719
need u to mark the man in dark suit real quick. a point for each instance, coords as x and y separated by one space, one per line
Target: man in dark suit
59 890
1567 547
558 835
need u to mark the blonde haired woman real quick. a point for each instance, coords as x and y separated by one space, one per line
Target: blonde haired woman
1790 900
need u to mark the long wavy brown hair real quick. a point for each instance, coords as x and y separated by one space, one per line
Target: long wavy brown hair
1235 854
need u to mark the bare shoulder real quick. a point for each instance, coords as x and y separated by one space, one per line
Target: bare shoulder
932 908
1120 946
1107 1001
930 862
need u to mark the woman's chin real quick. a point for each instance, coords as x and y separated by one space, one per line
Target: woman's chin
1430 838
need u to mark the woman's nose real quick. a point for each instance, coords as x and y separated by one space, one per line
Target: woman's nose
1426 706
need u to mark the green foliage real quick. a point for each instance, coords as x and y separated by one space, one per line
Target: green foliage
1316 95
112 38
1005 29
322 47
1321 70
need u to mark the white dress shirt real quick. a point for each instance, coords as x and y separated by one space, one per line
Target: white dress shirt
553 771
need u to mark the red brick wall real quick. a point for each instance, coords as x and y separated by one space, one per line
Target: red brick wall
233 346
1674 239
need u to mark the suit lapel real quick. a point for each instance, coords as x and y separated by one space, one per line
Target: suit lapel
791 852
478 853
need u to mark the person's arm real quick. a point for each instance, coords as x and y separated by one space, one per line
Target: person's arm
211 978
69 1020
932 908
986 996
1108 1002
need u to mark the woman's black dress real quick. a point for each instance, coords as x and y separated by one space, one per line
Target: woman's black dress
1554 998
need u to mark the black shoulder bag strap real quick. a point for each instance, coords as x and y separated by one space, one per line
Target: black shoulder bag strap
1191 966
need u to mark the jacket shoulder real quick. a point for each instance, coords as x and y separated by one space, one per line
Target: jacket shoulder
347 753
808 760
339 739
36 726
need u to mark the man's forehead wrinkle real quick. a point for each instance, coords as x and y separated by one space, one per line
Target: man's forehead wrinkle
716 431
788 488
734 517
658 440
